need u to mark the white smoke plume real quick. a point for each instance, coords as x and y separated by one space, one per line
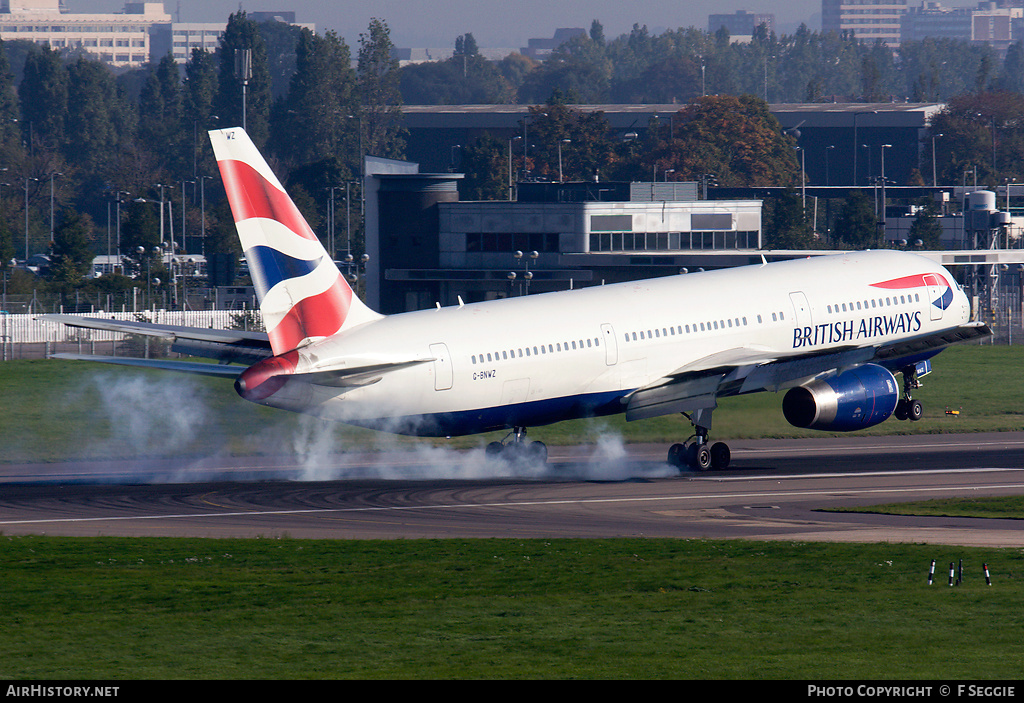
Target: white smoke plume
153 415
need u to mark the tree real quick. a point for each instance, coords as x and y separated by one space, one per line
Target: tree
71 254
926 227
9 108
465 79
581 138
160 112
242 34
485 163
102 121
320 111
856 226
982 131
381 100
578 68
787 223
199 93
43 94
736 139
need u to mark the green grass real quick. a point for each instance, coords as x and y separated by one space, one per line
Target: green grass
58 410
123 608
1005 507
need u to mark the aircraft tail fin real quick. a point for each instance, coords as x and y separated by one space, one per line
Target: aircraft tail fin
303 296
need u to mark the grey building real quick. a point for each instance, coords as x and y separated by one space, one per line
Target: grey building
427 248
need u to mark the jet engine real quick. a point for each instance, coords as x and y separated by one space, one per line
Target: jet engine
855 399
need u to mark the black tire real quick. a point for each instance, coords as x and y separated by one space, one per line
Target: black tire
702 457
915 411
677 456
495 449
900 413
538 452
720 455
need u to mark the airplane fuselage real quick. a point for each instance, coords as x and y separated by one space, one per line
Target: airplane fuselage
534 360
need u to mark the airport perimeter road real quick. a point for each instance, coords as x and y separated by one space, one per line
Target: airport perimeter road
775 490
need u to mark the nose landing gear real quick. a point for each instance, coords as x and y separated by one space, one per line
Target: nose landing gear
907 408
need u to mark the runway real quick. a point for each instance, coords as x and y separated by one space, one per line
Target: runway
775 490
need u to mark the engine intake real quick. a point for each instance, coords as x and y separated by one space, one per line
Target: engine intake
853 400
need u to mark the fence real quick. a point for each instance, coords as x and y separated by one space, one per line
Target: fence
28 336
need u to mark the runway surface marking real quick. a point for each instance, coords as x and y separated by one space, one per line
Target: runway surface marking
846 492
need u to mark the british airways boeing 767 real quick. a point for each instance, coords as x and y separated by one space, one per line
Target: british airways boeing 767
833 331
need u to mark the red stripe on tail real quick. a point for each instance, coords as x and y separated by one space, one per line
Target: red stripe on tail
251 195
319 315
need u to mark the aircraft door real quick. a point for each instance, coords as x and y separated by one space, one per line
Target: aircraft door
611 349
801 308
443 374
933 292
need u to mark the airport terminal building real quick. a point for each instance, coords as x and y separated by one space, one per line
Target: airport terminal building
428 248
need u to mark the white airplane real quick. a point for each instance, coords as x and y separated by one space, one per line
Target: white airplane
833 330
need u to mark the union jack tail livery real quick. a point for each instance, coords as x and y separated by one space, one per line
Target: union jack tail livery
303 296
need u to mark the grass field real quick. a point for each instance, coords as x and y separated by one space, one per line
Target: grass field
57 410
517 609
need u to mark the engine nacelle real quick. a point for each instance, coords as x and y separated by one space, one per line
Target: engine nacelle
855 399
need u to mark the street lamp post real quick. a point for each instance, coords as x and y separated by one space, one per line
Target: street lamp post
51 204
934 178
560 143
882 150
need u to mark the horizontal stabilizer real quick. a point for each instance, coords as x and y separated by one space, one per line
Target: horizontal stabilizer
359 376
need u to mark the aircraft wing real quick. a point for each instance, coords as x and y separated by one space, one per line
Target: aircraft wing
223 345
698 385
193 367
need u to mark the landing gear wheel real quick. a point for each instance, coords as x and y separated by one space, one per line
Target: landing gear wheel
538 452
900 413
720 455
915 410
515 449
677 455
701 455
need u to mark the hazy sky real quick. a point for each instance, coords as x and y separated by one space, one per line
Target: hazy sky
509 23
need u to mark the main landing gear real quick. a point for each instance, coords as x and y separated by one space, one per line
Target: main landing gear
697 453
515 447
907 408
